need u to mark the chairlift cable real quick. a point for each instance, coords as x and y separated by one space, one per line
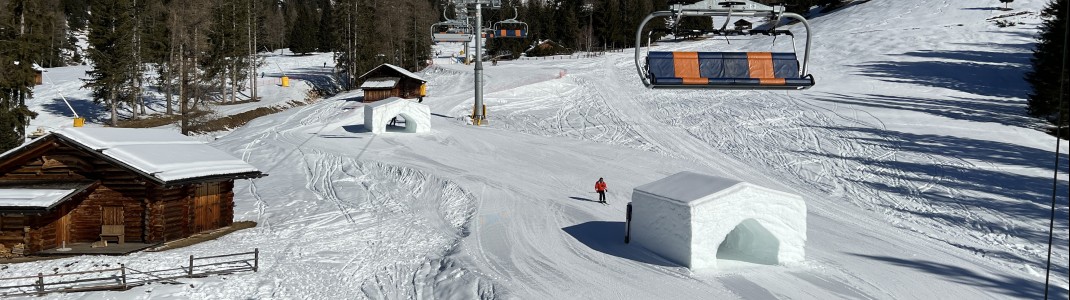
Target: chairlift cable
1058 149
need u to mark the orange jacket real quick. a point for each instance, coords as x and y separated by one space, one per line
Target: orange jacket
600 186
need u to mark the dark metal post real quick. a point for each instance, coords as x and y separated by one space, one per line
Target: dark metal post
122 269
189 273
628 225
256 259
40 284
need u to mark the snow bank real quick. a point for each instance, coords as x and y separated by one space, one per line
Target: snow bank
696 219
378 115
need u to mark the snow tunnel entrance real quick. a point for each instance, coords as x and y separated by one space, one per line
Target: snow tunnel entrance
400 123
750 242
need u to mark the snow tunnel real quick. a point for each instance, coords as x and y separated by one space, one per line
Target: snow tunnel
386 115
695 220
750 242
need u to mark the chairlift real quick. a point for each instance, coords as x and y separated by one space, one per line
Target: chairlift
510 28
451 31
725 70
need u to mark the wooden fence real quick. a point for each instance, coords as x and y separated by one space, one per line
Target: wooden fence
123 277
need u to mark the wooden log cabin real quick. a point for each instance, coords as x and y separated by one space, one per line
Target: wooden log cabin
158 185
386 81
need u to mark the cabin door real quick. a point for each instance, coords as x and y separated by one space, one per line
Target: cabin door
63 227
206 207
113 215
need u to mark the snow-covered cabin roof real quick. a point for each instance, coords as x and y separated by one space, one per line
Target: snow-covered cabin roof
380 83
401 70
38 196
163 155
32 197
687 187
37 67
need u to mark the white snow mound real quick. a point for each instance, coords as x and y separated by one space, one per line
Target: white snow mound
377 115
695 219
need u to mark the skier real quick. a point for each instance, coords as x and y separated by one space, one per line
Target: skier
600 187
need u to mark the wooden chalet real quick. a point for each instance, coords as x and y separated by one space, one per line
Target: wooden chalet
743 24
83 185
38 75
388 80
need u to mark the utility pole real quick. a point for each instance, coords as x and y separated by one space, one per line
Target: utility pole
477 111
477 115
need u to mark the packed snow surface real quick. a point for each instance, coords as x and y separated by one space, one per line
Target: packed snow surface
924 177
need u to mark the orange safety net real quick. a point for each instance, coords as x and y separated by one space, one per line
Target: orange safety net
761 64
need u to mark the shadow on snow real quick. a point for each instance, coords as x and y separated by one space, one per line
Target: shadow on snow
608 238
1002 284
977 72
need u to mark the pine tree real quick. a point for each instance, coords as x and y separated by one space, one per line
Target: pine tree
18 48
303 33
110 41
1048 61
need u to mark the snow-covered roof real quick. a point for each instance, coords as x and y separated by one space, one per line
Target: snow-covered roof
686 187
380 83
162 154
35 198
690 188
396 68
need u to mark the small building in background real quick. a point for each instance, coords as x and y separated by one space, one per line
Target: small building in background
38 75
82 185
388 80
743 24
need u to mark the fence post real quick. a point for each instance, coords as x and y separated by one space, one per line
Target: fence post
189 273
122 269
40 283
256 259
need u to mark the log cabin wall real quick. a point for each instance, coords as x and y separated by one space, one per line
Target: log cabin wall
121 193
148 211
12 229
380 94
169 213
226 212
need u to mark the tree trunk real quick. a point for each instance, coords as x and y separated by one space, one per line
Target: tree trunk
114 107
182 90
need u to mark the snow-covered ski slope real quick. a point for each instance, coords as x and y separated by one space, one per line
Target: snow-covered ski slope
923 179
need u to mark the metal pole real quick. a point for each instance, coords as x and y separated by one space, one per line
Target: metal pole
809 35
189 273
122 268
477 111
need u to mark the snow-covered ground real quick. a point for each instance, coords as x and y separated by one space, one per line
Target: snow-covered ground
923 177
307 73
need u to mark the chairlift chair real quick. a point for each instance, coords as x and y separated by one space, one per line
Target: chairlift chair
510 28
724 70
451 31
